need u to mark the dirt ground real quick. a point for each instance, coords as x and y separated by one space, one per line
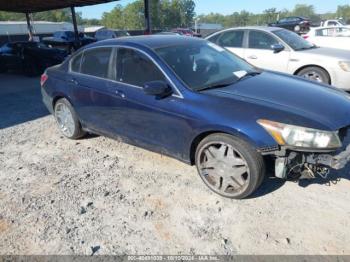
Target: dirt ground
101 196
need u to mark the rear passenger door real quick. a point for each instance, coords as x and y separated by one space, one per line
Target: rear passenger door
92 90
233 41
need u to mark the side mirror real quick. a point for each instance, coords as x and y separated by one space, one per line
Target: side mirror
159 89
277 48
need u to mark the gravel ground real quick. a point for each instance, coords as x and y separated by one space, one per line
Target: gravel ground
101 196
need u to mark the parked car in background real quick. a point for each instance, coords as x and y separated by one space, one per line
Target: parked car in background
30 58
333 36
104 34
167 33
66 40
254 115
334 22
185 32
281 50
296 24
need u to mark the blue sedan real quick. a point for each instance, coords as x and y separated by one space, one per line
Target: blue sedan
195 101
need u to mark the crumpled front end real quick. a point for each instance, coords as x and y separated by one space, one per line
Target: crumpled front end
294 164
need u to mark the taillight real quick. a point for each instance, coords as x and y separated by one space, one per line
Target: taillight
43 79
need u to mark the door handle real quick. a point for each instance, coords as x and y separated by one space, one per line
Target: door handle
120 93
253 57
74 81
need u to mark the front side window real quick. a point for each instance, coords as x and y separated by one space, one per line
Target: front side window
232 39
135 68
261 40
95 62
203 64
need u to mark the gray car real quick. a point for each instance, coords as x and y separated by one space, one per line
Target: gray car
104 34
284 51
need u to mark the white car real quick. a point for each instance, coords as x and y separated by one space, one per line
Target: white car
284 51
334 37
334 22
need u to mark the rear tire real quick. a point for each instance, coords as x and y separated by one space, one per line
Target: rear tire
316 74
229 166
67 120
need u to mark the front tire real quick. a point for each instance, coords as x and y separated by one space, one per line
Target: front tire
67 120
315 74
229 166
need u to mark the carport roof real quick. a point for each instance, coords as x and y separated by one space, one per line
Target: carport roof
32 6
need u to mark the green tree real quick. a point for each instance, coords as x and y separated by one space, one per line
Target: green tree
343 12
269 16
114 18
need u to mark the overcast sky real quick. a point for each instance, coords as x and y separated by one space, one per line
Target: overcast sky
228 6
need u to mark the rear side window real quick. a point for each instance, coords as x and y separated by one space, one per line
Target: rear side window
75 64
232 39
95 62
135 68
261 40
214 38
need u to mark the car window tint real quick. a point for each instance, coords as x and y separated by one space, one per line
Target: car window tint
214 38
135 68
95 62
75 64
232 39
284 20
261 40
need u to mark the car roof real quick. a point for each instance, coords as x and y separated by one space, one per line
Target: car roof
150 41
263 28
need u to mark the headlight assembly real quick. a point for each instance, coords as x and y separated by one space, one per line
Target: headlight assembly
345 65
297 136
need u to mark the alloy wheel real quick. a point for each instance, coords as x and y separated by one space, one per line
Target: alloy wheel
65 119
314 76
223 169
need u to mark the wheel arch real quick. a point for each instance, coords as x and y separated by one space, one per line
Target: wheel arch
312 65
59 96
202 135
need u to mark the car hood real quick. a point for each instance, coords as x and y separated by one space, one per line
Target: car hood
319 106
328 52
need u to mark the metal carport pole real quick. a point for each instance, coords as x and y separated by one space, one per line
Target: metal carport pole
148 29
74 18
30 28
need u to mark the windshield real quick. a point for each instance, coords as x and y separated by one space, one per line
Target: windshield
203 64
293 40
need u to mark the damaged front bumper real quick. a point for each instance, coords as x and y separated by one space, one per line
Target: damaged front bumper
337 162
290 163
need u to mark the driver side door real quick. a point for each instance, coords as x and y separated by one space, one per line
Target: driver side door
148 121
260 54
